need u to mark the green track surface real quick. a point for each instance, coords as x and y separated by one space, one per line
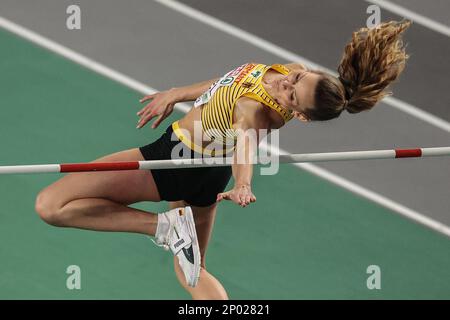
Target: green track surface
303 239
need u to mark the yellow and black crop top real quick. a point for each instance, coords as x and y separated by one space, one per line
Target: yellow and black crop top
219 100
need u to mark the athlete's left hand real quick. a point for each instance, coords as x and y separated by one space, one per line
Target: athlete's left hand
240 194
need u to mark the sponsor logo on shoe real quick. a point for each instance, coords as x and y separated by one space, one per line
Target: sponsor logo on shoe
179 243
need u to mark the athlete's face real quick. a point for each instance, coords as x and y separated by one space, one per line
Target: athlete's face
294 91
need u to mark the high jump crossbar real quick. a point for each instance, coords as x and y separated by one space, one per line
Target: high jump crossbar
213 162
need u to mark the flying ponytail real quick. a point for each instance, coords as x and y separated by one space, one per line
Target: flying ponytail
372 60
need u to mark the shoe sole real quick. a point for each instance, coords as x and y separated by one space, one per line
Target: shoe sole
195 247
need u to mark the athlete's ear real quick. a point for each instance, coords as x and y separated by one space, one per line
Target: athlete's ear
300 116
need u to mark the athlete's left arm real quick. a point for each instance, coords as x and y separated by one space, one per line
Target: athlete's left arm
251 127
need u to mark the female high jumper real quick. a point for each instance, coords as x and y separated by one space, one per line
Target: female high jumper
252 96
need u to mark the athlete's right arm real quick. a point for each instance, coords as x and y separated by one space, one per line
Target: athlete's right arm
162 103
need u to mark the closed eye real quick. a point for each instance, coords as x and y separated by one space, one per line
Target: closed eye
300 76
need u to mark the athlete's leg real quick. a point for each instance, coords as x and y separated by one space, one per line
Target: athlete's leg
208 287
98 200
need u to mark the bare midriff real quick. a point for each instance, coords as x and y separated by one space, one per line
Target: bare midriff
188 123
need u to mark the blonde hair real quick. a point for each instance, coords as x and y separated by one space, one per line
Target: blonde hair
372 60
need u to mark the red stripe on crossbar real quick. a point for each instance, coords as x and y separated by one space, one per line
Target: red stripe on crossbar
99 166
408 153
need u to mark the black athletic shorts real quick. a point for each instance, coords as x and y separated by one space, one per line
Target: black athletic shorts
197 186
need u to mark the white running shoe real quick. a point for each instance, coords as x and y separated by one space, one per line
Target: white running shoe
176 230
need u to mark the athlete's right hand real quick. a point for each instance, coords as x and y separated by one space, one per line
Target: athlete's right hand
161 105
240 194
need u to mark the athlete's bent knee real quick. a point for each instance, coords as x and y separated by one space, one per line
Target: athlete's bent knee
47 211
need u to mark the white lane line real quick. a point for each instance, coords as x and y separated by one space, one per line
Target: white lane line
140 87
290 56
417 18
377 198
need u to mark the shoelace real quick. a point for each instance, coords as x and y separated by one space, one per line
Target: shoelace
164 246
